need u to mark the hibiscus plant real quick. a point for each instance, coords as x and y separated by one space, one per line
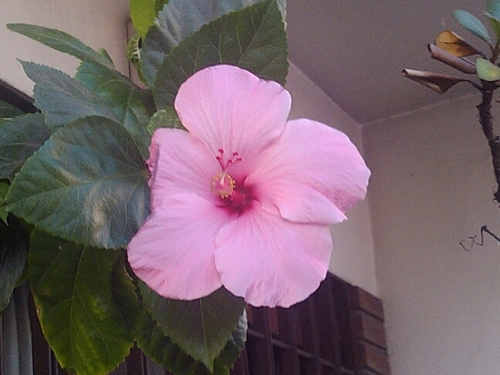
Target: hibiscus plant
151 213
452 50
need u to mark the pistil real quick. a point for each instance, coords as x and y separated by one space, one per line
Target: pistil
234 196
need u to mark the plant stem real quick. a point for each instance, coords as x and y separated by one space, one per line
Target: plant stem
486 121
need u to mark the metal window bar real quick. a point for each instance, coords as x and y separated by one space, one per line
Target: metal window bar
15 335
311 338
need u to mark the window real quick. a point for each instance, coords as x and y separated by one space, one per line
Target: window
15 97
337 331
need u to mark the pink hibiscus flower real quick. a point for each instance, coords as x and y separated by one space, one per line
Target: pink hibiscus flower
244 198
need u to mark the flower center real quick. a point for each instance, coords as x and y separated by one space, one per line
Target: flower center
234 195
223 184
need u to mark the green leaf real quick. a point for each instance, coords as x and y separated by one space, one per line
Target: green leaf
19 139
495 25
165 118
131 106
163 350
105 54
74 287
60 41
472 24
154 343
61 98
178 20
493 8
183 18
200 327
253 39
282 8
12 258
236 343
134 55
8 111
493 14
87 184
124 292
143 14
487 71
4 188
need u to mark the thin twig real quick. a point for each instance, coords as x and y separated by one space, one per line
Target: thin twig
484 229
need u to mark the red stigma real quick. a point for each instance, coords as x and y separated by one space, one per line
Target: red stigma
224 164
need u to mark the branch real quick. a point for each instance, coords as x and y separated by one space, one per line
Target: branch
486 121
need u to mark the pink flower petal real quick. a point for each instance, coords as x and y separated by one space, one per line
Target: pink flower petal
265 235
179 163
173 252
312 174
231 109
270 261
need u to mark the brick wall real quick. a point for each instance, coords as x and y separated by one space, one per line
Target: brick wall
370 344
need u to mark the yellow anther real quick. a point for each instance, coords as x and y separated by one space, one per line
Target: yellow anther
223 184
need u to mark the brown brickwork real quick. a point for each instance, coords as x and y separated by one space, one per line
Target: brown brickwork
364 301
367 319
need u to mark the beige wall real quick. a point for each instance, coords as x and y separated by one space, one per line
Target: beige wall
106 28
432 187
